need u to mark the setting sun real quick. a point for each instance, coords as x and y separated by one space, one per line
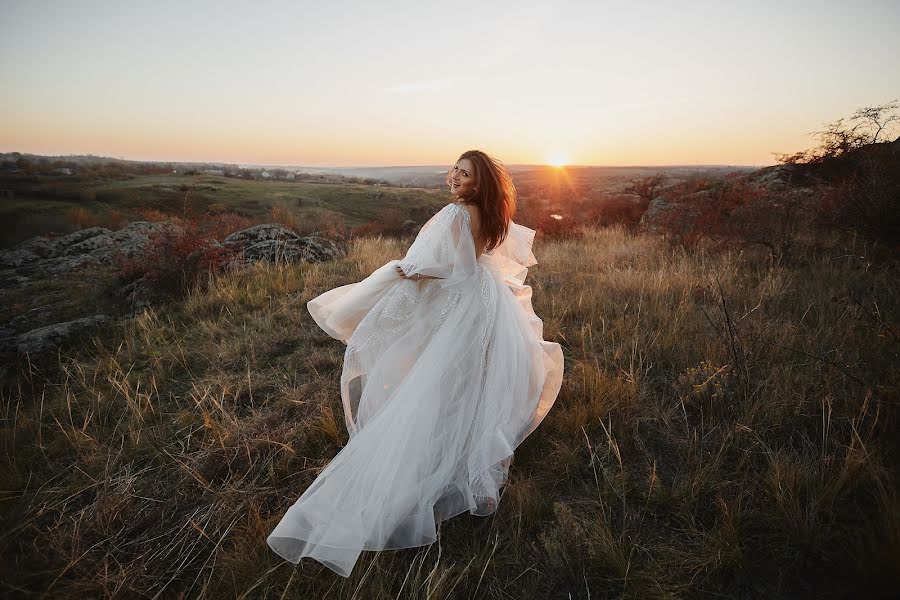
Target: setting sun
557 159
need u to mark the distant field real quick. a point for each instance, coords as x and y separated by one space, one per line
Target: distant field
43 208
49 205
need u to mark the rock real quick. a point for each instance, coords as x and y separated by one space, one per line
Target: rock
777 178
38 245
660 206
100 246
21 321
17 258
43 339
89 245
307 249
276 243
656 206
60 245
7 339
13 280
131 241
57 265
261 233
41 257
322 250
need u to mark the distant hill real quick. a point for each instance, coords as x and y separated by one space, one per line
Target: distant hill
427 176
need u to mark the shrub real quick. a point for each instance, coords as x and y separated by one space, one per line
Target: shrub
372 228
615 210
386 226
554 225
871 206
736 212
552 222
867 126
82 218
647 188
856 172
176 259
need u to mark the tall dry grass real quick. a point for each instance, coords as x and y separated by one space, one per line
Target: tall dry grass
725 428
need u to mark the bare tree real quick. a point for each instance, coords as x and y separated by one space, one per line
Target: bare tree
647 188
876 119
868 125
859 176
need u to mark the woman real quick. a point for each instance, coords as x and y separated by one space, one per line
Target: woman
445 373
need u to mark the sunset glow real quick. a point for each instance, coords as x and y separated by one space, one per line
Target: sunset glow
557 159
406 83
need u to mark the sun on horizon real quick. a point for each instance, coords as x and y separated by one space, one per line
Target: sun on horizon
557 159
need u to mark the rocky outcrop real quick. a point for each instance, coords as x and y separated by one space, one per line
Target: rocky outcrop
771 183
775 179
274 243
40 258
42 339
661 207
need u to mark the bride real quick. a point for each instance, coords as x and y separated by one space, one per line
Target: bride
445 373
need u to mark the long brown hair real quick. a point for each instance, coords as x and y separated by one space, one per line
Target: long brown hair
495 196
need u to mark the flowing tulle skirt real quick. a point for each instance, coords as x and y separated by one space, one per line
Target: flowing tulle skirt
438 388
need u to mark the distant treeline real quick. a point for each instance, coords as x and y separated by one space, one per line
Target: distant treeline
31 167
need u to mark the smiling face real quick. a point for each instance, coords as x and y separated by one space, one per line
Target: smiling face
462 178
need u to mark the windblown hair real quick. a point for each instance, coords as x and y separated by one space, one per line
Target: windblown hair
495 197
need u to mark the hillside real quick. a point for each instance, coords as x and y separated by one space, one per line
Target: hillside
58 195
47 204
726 428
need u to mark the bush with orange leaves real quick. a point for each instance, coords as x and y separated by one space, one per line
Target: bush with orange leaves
550 222
554 220
388 226
83 218
177 258
736 212
616 209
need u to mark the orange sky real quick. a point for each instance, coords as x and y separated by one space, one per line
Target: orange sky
410 83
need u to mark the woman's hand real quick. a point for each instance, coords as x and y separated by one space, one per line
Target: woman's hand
415 277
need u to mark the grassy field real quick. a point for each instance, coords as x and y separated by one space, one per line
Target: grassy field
46 207
356 204
725 429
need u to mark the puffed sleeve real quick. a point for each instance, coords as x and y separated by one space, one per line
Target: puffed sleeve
511 259
445 249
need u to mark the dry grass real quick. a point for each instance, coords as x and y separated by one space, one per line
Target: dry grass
725 428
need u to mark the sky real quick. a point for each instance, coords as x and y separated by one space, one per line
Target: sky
389 83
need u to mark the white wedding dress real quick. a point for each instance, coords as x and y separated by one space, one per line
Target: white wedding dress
442 379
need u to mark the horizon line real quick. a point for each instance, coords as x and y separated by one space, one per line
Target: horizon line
276 165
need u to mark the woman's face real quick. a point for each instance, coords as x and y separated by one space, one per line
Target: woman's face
462 178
